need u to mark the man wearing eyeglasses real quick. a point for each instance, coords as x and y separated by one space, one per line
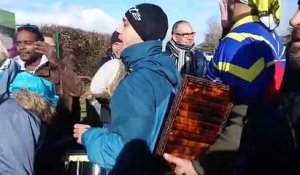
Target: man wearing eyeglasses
182 48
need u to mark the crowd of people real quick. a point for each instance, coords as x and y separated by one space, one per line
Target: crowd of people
39 96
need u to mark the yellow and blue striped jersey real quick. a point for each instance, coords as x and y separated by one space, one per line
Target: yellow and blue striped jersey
245 59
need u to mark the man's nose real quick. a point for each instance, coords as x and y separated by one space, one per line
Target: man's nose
190 38
21 46
295 20
119 48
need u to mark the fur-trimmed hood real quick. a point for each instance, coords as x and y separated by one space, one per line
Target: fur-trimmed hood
33 93
34 103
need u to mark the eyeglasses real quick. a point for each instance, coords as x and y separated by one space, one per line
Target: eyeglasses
186 35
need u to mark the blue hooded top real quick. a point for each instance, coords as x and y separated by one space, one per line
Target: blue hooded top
20 129
138 105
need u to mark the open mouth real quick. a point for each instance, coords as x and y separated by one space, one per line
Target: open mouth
24 54
295 49
296 45
296 34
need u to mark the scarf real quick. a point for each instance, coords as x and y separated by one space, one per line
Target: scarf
183 56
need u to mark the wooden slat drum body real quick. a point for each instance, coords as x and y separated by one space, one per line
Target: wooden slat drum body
196 119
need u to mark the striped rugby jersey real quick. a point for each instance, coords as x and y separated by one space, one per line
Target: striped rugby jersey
250 58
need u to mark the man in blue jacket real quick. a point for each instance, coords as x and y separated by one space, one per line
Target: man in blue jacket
141 100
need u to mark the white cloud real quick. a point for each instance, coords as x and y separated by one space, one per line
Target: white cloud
91 19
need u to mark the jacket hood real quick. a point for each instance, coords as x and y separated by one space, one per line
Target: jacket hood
12 79
149 55
33 93
8 72
35 104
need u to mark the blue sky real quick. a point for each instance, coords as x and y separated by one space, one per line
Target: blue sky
105 15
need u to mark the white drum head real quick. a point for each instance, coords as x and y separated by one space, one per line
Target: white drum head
106 77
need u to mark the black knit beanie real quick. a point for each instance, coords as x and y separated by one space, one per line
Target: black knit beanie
149 21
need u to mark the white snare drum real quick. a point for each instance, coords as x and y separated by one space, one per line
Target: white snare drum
107 79
77 163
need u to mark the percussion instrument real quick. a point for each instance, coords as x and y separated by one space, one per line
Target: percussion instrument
77 163
197 117
107 78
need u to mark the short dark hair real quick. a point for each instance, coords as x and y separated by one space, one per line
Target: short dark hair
176 24
32 29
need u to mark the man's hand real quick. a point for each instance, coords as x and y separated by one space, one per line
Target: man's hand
224 13
79 129
182 166
45 49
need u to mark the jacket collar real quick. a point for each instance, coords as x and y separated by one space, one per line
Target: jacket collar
245 20
140 51
44 60
42 70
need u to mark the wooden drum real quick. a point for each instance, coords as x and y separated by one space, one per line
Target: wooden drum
197 117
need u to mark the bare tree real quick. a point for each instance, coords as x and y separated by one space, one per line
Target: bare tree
213 34
214 31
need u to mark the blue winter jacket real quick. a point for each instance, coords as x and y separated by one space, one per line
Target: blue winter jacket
138 105
19 131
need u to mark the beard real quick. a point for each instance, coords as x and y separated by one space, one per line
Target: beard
293 55
290 81
292 70
31 58
293 49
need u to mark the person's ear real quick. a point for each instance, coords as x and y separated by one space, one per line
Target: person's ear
174 38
